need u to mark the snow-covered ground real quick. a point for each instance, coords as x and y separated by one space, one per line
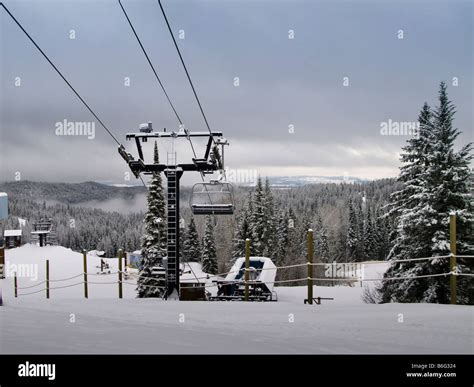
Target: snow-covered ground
68 323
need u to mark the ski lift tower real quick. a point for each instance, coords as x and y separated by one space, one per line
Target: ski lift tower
208 164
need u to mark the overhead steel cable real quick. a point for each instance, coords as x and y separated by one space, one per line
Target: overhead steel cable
186 70
64 78
165 92
149 62
192 87
60 74
156 76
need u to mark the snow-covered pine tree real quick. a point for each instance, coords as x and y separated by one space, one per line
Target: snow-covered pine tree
258 222
209 254
269 237
369 237
413 158
282 238
360 207
352 234
305 225
192 245
154 240
293 248
382 236
321 240
242 230
435 183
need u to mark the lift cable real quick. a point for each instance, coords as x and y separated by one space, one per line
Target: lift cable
157 77
60 74
189 79
186 70
151 64
165 92
192 87
64 78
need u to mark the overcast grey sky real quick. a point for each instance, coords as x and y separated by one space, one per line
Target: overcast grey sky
283 81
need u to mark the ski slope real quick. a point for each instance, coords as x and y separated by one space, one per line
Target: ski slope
68 323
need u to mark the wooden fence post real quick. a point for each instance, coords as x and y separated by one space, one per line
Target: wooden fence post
247 268
15 281
120 273
452 260
47 278
310 265
86 290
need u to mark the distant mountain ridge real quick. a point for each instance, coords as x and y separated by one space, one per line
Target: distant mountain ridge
76 193
299 181
68 193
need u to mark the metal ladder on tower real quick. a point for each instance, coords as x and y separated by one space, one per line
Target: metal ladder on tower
172 272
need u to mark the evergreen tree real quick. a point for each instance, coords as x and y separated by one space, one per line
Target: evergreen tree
242 230
305 225
435 183
258 220
154 240
382 236
192 245
209 254
269 237
321 240
414 163
369 237
293 248
352 234
282 238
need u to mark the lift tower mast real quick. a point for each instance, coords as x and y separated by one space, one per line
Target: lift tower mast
210 163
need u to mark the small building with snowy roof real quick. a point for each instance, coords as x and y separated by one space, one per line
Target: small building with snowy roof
12 238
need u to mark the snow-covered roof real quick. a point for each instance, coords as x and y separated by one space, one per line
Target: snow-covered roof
266 274
12 233
193 270
3 194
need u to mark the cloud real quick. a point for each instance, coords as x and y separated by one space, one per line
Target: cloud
282 82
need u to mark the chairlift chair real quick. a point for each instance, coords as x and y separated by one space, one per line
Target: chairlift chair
213 198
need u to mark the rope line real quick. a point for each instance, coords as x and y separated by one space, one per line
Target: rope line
66 279
102 274
32 286
27 294
66 286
